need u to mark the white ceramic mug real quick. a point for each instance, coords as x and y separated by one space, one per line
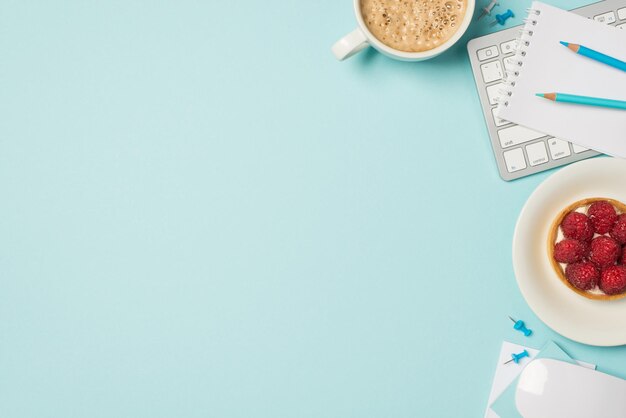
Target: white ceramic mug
361 38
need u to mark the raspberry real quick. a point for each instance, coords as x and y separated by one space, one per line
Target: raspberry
623 257
613 280
577 226
604 251
583 276
619 229
570 251
602 215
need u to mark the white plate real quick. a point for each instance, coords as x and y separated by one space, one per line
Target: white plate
593 322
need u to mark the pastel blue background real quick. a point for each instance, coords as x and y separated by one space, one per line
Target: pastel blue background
205 215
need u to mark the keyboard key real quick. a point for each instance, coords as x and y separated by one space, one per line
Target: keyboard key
558 148
508 47
622 26
578 149
487 53
514 160
493 92
537 153
608 17
516 135
509 63
492 71
621 13
497 120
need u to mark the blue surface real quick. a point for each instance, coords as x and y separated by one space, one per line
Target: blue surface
205 215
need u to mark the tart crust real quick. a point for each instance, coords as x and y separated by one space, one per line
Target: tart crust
552 236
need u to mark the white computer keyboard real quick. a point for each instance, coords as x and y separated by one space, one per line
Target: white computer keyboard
520 151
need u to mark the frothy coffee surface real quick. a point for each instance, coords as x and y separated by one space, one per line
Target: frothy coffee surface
413 25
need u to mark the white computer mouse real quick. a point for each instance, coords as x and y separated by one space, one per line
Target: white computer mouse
556 389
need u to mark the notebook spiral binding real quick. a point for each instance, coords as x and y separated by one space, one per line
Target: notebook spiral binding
523 42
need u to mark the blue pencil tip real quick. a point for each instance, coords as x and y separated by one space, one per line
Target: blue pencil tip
539 94
564 43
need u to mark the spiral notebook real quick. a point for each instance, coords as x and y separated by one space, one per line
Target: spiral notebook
542 65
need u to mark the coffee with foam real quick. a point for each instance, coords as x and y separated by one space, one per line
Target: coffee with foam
413 25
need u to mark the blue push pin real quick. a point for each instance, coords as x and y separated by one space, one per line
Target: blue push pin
502 18
521 327
517 357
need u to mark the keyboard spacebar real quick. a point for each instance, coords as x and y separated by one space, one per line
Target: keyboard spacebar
515 135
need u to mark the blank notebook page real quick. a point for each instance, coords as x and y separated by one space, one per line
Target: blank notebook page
548 67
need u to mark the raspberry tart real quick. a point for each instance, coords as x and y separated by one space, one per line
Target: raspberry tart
587 248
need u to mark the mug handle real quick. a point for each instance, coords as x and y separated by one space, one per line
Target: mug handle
350 44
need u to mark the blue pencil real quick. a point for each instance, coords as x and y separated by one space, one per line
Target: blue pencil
595 55
584 100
